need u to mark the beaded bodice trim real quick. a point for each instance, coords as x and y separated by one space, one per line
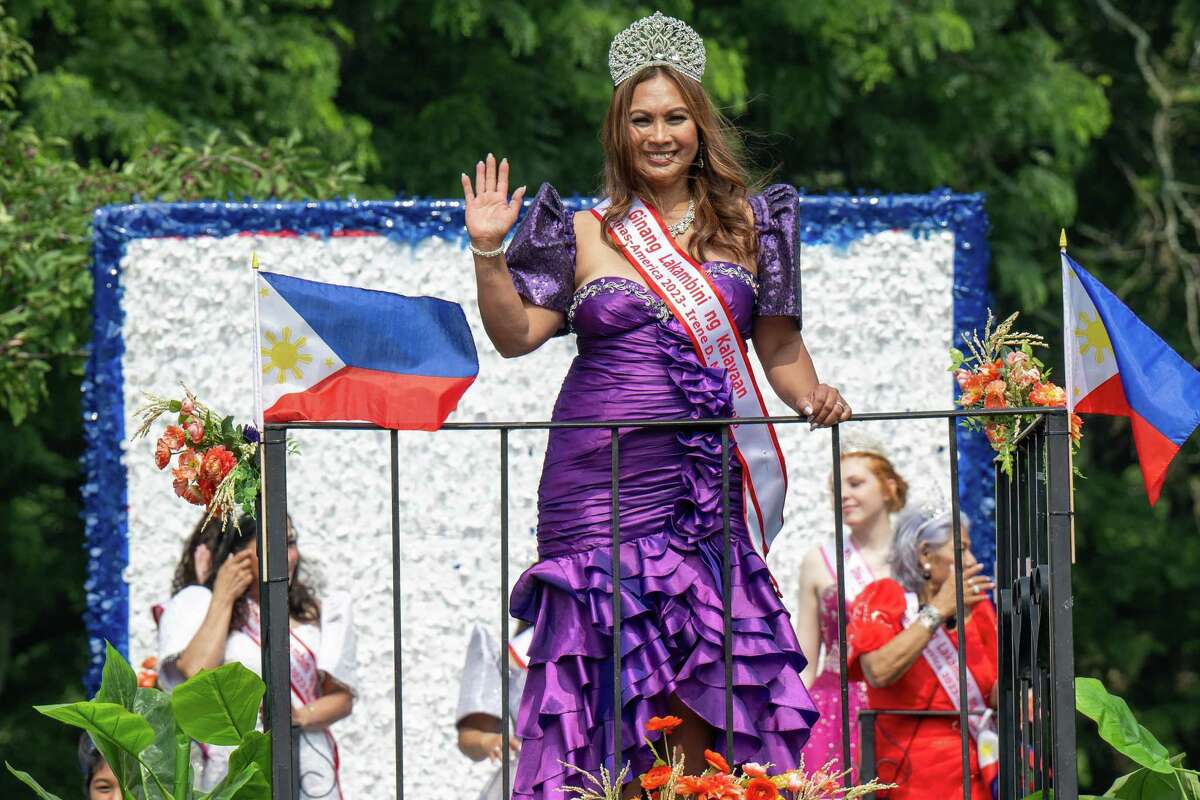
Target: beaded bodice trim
634 289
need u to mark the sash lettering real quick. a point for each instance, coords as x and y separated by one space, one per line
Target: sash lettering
695 303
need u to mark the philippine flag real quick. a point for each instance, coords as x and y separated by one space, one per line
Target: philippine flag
1118 366
341 353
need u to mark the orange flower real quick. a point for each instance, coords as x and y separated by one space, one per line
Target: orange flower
1076 428
716 761
162 454
655 777
147 679
993 369
754 770
150 662
1047 394
994 394
709 787
173 437
688 786
997 434
665 724
761 789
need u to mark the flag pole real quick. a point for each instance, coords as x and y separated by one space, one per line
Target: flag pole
258 407
1070 375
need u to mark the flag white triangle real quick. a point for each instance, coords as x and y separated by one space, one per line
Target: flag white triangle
293 357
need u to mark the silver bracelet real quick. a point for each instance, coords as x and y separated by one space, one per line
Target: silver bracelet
499 251
928 616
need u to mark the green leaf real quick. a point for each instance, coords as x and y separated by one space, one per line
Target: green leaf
120 735
249 775
1144 784
956 359
219 706
28 780
175 406
118 681
1117 726
159 758
228 789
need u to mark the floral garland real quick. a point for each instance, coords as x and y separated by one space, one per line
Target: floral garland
1001 371
216 461
666 780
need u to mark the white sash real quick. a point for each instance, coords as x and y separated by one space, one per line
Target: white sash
518 648
697 305
942 656
858 572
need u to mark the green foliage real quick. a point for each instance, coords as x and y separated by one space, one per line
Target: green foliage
145 735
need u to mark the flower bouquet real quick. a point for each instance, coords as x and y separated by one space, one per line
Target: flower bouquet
216 462
666 779
1001 371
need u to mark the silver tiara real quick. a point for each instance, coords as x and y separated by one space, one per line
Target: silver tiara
858 444
657 40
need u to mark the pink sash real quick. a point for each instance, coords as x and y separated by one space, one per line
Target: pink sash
305 675
858 571
698 307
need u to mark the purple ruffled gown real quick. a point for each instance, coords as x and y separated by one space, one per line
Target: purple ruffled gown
635 362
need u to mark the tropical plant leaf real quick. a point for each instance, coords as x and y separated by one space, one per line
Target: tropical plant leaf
219 706
255 750
159 757
118 682
231 787
119 735
1145 784
28 780
1117 726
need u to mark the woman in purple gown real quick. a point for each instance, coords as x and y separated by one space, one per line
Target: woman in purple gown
664 143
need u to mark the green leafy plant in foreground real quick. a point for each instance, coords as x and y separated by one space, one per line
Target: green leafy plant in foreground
146 735
1159 776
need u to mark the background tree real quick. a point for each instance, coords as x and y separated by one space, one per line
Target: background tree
1081 115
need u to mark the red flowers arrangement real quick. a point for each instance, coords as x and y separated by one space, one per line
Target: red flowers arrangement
216 462
1001 371
665 780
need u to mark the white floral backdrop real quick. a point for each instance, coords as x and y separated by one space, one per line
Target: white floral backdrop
878 320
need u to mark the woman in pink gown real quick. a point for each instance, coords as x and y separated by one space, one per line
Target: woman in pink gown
872 490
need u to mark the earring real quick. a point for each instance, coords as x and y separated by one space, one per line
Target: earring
700 160
926 571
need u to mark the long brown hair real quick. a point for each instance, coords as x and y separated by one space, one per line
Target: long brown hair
720 187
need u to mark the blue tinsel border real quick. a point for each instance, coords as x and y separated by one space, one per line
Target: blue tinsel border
825 219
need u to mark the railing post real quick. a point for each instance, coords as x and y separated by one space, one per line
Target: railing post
618 705
960 611
505 711
1062 638
839 547
866 748
727 592
397 616
273 597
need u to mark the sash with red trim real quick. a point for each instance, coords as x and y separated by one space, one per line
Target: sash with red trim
942 656
696 304
858 571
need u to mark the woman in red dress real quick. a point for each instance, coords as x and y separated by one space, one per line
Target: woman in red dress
902 642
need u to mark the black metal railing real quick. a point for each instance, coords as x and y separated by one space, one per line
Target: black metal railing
1033 540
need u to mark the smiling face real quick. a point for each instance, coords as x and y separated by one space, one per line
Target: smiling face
663 136
864 496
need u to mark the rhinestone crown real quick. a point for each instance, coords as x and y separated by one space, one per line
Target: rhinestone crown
657 40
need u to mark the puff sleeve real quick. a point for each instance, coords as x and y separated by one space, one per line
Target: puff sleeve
875 619
180 621
337 655
541 256
777 223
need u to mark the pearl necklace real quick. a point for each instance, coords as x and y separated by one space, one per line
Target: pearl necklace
685 222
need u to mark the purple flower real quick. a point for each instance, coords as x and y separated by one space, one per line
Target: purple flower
250 434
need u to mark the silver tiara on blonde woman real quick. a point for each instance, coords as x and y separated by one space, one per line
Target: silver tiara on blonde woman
657 40
858 444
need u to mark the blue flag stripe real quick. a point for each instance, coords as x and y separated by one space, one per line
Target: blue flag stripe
384 331
1162 387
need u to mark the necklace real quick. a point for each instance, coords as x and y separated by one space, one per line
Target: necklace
685 222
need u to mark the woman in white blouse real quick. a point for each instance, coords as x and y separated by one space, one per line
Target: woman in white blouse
204 626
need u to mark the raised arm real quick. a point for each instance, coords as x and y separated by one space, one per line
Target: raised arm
206 650
514 325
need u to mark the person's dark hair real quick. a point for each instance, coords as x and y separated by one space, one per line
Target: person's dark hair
89 761
207 532
721 186
302 601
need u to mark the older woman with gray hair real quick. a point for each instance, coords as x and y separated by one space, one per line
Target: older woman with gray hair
903 643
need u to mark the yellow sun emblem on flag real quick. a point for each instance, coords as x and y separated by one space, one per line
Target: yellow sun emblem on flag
1095 337
285 355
